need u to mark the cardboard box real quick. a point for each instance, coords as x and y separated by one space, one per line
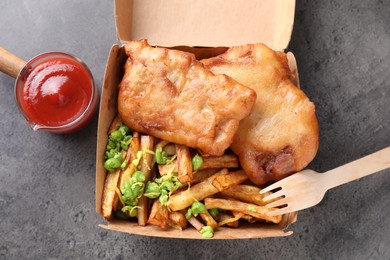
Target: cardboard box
184 24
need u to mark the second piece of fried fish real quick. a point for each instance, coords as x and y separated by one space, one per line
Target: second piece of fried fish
169 94
280 136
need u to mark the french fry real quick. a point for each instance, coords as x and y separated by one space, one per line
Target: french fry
246 208
161 144
241 215
115 124
184 163
177 220
212 162
224 161
246 193
147 144
165 169
201 175
134 148
109 193
159 215
228 220
110 196
226 181
208 219
116 204
183 199
196 223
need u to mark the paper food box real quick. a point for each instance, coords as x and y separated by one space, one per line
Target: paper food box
205 28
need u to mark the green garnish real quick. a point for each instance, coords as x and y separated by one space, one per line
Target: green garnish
161 156
124 146
214 212
252 208
188 213
162 188
113 163
195 209
207 232
110 154
124 130
198 207
131 192
117 135
131 211
119 139
152 190
197 162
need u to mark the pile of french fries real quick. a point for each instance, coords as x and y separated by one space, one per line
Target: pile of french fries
215 193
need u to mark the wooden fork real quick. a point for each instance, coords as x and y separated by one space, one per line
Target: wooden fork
307 188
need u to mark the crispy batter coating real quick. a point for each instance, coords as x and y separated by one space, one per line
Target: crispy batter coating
280 136
170 95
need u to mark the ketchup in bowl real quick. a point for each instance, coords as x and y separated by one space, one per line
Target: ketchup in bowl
56 92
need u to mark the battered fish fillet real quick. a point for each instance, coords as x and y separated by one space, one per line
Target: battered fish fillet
280 136
170 95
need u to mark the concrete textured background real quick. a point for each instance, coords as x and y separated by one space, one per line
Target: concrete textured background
47 181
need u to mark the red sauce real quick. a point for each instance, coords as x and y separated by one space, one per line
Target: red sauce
56 92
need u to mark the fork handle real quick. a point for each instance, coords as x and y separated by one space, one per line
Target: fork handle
357 169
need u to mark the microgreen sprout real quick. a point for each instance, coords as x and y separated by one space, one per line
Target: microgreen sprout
161 156
118 139
197 162
214 212
162 187
207 232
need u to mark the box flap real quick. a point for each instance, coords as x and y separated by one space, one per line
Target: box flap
208 23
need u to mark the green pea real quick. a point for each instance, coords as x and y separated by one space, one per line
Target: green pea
164 199
124 129
111 145
198 207
124 146
166 185
189 213
138 176
214 212
197 162
118 156
131 210
129 194
207 232
111 164
117 135
117 147
152 190
161 156
110 154
127 138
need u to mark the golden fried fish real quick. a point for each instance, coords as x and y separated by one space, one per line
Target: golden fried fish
280 136
169 94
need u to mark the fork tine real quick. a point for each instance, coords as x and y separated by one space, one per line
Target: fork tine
273 195
270 187
276 203
280 211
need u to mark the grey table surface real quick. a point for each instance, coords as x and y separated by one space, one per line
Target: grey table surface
47 199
